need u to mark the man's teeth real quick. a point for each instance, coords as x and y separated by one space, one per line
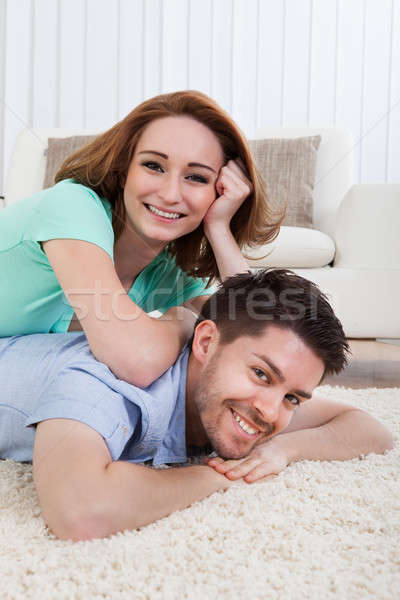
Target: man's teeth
244 425
157 211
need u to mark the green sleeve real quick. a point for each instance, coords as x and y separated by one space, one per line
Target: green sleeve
163 284
71 210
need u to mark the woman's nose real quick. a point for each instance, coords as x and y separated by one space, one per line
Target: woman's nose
170 189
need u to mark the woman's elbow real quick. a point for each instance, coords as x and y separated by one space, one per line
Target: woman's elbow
135 370
137 373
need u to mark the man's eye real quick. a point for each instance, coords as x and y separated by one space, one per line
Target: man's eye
152 165
293 399
261 375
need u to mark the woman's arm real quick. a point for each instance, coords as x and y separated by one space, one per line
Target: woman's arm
233 188
135 346
229 258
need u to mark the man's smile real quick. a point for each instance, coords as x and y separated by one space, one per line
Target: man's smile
244 427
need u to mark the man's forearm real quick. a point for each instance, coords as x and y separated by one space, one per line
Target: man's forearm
347 436
132 496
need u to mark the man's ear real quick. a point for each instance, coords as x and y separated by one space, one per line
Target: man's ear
205 340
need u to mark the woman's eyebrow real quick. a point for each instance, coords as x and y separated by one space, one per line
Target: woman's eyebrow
191 164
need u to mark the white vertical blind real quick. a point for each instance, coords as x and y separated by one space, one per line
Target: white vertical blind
87 63
152 48
271 56
175 45
45 63
322 93
102 66
296 65
393 109
72 64
244 64
2 84
222 43
130 63
350 72
376 90
18 88
200 47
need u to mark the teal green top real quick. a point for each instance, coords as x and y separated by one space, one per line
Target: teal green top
31 298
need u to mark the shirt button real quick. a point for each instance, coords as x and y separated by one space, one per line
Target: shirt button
124 430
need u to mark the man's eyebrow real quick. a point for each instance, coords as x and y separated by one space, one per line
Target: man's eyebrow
278 373
191 164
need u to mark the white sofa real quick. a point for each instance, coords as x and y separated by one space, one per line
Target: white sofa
353 252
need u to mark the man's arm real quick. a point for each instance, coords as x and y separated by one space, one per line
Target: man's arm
84 495
349 434
319 430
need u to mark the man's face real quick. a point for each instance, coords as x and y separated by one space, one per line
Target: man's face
249 389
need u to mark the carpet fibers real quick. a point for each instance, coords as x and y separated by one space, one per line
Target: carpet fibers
320 530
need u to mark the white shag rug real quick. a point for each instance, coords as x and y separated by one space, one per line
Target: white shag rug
320 530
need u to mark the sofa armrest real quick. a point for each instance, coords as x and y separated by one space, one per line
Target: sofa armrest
367 227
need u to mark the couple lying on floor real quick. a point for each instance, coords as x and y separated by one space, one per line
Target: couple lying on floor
242 389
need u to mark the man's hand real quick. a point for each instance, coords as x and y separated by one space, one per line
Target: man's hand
263 462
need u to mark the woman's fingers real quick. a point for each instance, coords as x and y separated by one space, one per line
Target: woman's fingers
232 182
239 168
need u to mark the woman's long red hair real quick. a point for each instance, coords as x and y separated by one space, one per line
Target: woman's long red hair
103 164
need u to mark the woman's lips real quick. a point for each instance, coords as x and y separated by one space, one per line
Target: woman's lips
154 210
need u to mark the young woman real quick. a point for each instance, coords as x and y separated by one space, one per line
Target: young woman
140 219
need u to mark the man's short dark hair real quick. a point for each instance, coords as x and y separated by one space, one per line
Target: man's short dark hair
247 303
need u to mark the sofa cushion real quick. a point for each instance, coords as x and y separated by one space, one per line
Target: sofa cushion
286 165
295 247
58 150
288 169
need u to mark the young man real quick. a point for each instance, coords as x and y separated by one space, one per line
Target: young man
243 387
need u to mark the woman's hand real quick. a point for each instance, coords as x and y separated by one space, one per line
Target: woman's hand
266 460
233 188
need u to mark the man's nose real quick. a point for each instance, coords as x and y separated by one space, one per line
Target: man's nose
268 406
170 190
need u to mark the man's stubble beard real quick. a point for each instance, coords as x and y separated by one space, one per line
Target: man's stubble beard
208 395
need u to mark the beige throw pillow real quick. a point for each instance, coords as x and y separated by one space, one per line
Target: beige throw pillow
288 169
58 150
286 165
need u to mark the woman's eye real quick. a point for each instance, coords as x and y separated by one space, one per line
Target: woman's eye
198 178
261 375
152 165
293 399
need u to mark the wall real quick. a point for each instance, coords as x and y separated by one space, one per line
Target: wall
87 63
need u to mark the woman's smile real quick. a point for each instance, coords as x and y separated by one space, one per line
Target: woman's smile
164 215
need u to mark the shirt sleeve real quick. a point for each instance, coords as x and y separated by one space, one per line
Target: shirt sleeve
168 286
78 395
70 210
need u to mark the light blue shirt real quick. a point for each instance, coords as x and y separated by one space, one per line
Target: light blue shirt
49 376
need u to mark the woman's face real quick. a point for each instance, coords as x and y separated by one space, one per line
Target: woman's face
171 179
